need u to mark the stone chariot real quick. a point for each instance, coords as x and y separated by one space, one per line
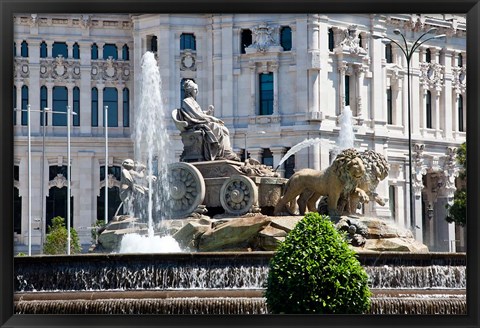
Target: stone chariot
237 187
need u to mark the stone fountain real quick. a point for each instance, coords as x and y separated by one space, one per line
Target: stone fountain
209 225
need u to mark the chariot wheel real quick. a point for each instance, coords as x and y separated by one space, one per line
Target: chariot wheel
186 189
238 195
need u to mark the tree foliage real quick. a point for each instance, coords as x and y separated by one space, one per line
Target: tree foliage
457 212
56 240
315 271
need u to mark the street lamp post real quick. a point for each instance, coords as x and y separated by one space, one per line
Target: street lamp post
408 53
106 164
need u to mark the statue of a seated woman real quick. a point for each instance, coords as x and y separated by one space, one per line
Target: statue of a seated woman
216 139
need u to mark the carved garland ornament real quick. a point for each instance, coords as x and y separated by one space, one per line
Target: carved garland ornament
59 69
110 70
263 38
459 79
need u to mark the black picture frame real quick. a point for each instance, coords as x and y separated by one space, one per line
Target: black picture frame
9 7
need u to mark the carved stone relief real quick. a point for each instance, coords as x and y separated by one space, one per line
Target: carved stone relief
59 69
432 75
110 70
459 79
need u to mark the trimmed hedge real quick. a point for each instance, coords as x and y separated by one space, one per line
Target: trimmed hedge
315 271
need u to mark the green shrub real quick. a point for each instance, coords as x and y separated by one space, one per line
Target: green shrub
56 240
315 271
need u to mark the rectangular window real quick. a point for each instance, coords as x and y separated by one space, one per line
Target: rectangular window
24 105
388 53
389 106
392 200
126 108
267 157
187 41
153 43
429 109
266 94
14 105
428 56
246 40
460 114
94 107
43 104
347 90
60 103
76 106
331 42
110 99
125 52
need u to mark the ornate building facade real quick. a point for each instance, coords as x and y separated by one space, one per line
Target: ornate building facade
274 80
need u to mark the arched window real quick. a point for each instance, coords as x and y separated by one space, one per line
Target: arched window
43 104
125 52
331 40
246 40
76 106
187 41
460 60
360 41
389 106
110 99
24 49
76 51
43 50
392 200
286 38
113 193
94 51
24 105
428 105
59 48
94 107
460 114
388 53
110 50
428 56
14 49
14 105
266 94
126 108
60 103
57 197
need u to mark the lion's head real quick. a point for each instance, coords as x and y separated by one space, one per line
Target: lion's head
376 166
349 167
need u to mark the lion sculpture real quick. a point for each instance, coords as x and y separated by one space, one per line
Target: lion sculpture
376 170
342 177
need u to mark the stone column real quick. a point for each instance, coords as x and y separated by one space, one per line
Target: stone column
419 170
86 205
100 87
69 49
100 50
225 57
253 75
70 87
274 69
436 112
120 104
256 153
360 75
18 113
34 85
416 93
49 116
342 70
119 50
49 48
217 64
278 152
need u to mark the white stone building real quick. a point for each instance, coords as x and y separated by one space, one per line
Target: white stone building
274 80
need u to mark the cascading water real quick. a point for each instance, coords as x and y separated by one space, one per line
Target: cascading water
151 148
346 136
